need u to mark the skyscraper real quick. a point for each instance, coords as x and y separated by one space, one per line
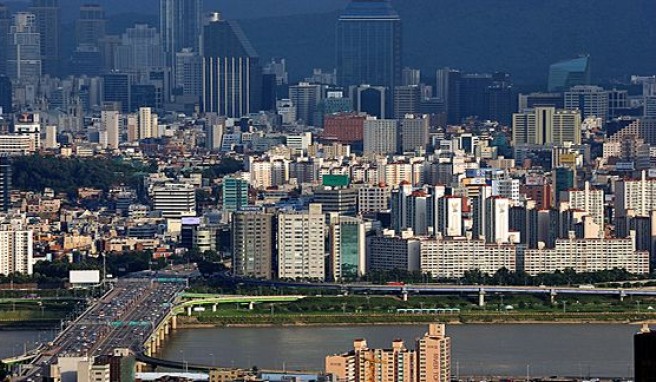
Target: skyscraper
306 98
546 126
180 23
369 45
235 194
5 23
47 22
566 74
301 244
253 243
232 75
24 51
90 27
5 183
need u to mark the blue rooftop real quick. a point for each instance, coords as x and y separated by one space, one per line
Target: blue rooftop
369 9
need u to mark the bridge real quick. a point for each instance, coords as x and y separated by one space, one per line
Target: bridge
200 299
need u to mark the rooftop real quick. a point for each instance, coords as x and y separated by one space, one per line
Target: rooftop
369 9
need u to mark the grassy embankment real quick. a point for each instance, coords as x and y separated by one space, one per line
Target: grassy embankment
383 310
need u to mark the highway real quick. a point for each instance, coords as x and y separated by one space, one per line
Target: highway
123 318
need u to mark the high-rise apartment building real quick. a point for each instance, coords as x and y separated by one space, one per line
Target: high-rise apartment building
369 45
380 136
414 133
452 257
24 50
589 200
546 126
429 362
301 244
16 249
635 197
253 244
148 123
110 124
497 220
232 75
47 20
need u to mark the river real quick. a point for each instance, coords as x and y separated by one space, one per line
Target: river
543 349
13 342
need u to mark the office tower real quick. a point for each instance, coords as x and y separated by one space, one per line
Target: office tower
188 76
406 100
473 88
5 182
567 74
380 136
213 136
448 90
334 102
533 100
110 124
344 128
140 50
174 200
24 50
90 26
507 188
301 244
278 68
6 95
347 249
5 24
547 126
28 124
234 194
16 249
410 77
46 14
232 75
337 199
117 89
181 25
618 103
563 179
253 244
499 99
372 100
414 133
644 355
369 45
306 98
591 101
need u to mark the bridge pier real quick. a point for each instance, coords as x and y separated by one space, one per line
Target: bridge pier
167 328
174 322
404 294
622 295
214 307
552 296
481 297
251 305
189 311
153 345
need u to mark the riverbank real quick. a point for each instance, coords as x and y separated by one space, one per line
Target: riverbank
261 320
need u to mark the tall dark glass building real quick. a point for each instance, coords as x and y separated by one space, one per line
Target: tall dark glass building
5 183
180 23
369 45
47 21
232 75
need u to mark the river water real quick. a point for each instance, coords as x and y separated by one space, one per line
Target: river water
501 350
13 342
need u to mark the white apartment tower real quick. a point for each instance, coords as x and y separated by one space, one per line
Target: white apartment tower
301 244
